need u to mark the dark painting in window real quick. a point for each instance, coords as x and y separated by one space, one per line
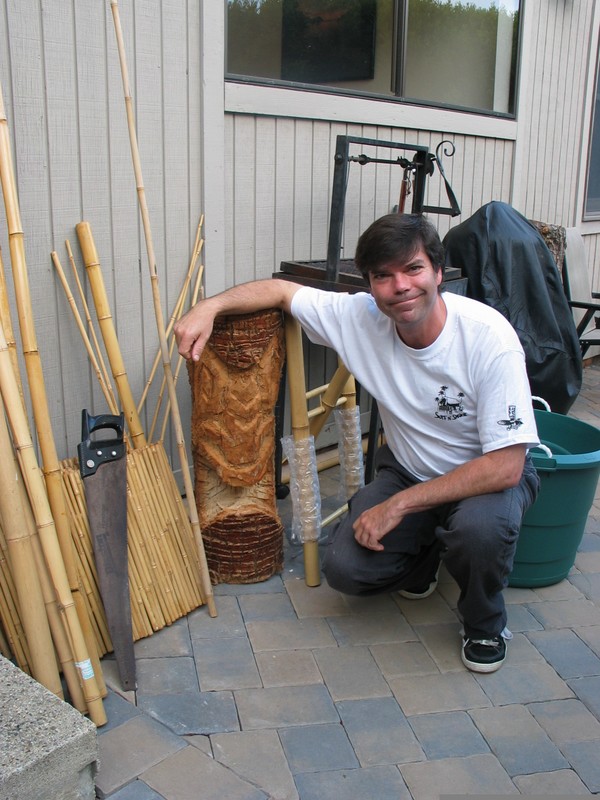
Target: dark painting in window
328 40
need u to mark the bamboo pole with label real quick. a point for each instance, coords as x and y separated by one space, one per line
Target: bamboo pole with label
176 417
57 627
18 539
47 531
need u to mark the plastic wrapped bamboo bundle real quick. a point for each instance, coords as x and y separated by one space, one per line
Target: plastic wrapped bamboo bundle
234 391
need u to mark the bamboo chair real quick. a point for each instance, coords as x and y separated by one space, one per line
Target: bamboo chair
584 303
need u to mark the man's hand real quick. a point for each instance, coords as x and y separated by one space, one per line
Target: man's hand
193 330
491 472
374 523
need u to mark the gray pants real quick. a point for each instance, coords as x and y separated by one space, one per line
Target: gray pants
476 539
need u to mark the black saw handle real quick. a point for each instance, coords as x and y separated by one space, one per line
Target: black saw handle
102 451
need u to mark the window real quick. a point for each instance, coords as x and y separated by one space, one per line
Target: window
592 194
453 53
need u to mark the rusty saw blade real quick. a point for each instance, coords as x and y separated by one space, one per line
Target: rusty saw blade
103 469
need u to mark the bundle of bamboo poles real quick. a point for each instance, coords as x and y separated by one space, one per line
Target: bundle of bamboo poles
36 533
167 578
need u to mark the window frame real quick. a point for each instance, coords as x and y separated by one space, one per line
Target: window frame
398 57
589 225
593 129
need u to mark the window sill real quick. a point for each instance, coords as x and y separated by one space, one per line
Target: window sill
276 101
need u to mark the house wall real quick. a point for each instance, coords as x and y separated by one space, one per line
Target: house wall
257 161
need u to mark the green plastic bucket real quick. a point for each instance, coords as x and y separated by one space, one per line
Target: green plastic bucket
553 526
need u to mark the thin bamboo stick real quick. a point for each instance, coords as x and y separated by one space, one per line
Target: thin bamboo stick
108 396
177 311
47 531
92 330
185 469
197 290
107 328
29 592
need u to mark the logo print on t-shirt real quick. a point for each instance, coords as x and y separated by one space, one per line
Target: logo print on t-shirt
512 423
449 407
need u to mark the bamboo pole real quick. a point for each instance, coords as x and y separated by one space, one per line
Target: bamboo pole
185 469
4 648
107 328
9 610
47 531
29 593
7 322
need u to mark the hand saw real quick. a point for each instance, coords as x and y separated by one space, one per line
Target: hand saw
103 469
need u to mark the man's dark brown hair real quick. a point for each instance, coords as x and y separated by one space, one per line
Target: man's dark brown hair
397 237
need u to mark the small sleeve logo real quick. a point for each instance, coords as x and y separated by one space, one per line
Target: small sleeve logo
513 423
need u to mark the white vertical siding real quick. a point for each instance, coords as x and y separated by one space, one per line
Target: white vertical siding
556 53
281 171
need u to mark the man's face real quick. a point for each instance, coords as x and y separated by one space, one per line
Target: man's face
407 292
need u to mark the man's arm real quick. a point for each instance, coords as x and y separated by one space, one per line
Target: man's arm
194 328
491 472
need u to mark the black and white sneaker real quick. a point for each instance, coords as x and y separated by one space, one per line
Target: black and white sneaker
484 655
420 592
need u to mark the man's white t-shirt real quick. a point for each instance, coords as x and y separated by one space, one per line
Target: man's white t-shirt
440 406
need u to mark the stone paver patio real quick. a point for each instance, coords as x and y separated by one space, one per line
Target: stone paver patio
300 693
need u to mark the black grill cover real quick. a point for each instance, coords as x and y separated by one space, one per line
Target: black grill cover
509 267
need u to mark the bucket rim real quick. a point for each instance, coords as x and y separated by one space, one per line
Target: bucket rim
586 460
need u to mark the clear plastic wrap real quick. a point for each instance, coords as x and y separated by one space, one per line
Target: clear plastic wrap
304 488
352 469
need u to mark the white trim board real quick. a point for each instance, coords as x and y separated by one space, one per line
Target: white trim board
276 101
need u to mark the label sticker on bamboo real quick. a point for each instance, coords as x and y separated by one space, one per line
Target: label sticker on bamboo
86 669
